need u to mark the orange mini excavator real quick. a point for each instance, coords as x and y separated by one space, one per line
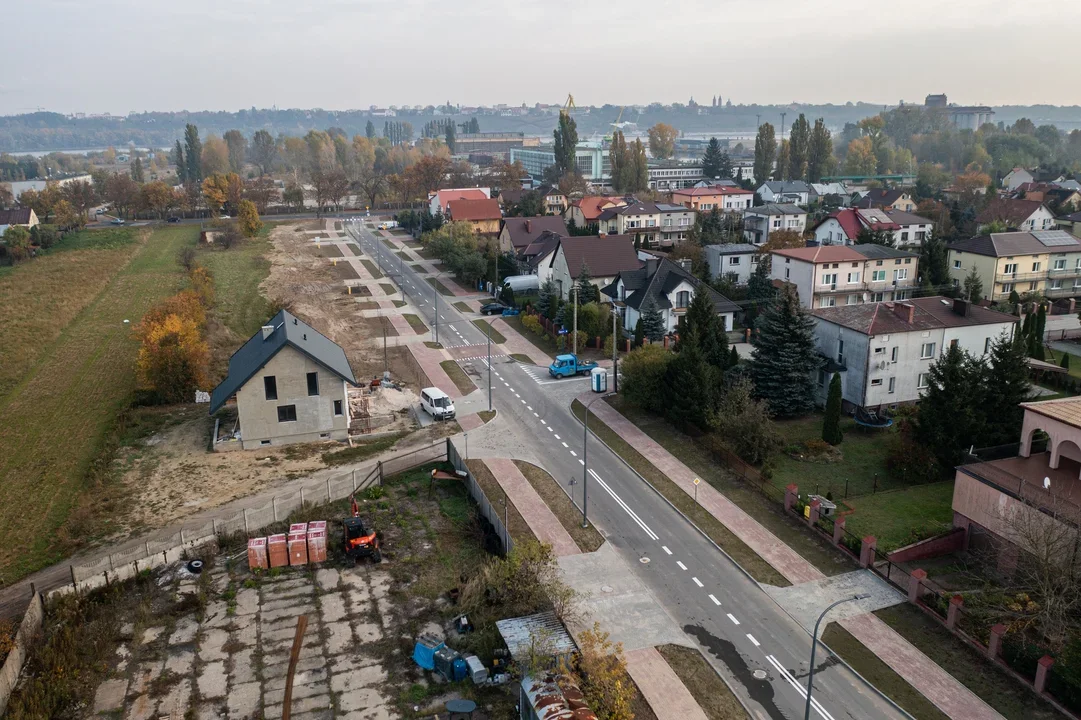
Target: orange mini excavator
360 541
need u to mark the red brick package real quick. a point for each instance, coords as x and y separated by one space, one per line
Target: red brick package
298 548
257 556
277 551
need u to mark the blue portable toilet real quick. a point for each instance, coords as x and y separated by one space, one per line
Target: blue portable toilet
598 380
424 651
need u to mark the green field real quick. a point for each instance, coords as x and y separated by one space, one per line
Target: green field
863 452
902 517
238 271
79 377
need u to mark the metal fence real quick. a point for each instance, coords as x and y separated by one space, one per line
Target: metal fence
253 519
493 513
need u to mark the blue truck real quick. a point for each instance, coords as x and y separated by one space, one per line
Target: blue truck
568 366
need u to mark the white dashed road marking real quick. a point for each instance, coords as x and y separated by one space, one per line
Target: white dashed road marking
753 641
733 618
715 600
681 565
697 582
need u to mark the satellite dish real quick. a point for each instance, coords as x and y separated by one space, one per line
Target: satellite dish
1047 483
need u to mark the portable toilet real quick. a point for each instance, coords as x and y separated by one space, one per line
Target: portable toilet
598 380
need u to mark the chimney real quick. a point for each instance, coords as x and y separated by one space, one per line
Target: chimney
960 307
528 226
905 311
268 330
651 266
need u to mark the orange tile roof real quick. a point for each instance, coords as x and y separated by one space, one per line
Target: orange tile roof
485 209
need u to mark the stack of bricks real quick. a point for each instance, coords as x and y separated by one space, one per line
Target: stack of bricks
317 541
257 554
298 544
278 551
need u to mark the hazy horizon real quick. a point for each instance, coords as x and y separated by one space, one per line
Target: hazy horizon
120 56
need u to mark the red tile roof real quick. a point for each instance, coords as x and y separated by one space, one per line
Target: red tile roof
484 209
591 206
713 190
445 196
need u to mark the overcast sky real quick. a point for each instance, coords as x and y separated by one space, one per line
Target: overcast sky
123 55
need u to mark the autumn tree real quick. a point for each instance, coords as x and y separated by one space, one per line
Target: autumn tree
662 141
137 172
121 192
17 242
193 155
173 360
600 671
765 151
819 152
566 144
262 191
782 240
236 146
263 150
860 158
640 165
222 191
248 219
67 217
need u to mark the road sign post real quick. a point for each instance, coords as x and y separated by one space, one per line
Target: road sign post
696 481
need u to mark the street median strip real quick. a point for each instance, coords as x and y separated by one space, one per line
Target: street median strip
588 539
371 268
416 323
458 377
486 326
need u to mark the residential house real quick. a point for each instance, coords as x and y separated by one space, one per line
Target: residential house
884 351
518 232
1071 223
796 192
723 197
835 192
22 217
290 382
675 222
842 227
587 210
830 275
511 196
18 187
888 199
759 222
1016 178
1016 215
536 258
555 202
640 219
484 215
670 287
1015 500
602 257
669 175
734 262
1063 199
1046 262
440 199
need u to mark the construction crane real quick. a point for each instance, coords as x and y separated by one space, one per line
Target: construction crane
569 105
620 124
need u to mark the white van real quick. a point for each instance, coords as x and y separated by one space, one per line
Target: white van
436 403
388 225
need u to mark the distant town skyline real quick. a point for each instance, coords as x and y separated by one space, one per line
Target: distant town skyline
120 56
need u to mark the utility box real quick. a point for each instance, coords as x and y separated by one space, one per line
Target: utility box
477 672
257 554
277 551
598 380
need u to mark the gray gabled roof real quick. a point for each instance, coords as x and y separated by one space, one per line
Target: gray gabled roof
775 209
783 186
258 351
656 281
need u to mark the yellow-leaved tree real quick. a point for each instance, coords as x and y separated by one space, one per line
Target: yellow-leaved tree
173 359
600 671
248 219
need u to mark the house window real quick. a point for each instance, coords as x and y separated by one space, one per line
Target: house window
853 277
893 353
876 297
264 442
927 351
270 386
827 302
893 383
853 299
287 413
1031 286
1059 264
921 381
921 236
1056 284
901 274
1010 268
786 272
1035 267
879 350
956 264
878 262
878 275
901 295
829 279
337 407
1007 287
840 351
876 382
904 238
313 383
683 299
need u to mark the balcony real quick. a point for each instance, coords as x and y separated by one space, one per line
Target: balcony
1064 274
1019 277
1063 292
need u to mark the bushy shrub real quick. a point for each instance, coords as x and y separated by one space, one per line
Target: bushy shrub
532 324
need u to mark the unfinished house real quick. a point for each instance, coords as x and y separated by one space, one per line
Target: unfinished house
290 384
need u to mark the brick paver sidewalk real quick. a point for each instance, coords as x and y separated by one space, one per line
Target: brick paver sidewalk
917 669
661 687
429 359
540 519
518 345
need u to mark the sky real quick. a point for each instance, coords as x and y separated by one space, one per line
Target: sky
120 56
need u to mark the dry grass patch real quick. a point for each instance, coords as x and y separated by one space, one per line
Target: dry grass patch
587 539
370 266
416 323
516 524
458 376
703 682
330 251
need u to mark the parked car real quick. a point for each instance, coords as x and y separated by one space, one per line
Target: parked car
174 219
437 403
225 217
118 221
493 308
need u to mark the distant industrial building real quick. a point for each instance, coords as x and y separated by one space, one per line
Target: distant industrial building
492 143
964 117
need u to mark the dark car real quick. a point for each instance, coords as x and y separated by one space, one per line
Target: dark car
493 309
173 219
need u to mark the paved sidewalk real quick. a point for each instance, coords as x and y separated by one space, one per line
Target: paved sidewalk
429 360
540 519
917 669
518 345
661 687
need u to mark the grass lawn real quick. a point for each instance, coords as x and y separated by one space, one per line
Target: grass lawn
440 287
388 243
522 358
458 376
375 273
587 539
237 274
70 388
388 288
864 454
486 415
416 323
879 674
705 686
330 251
765 510
486 327
900 517
975 672
417 267
426 253
759 569
461 306
354 248
544 344
399 303
433 345
516 525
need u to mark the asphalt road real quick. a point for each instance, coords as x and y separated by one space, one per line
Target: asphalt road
761 651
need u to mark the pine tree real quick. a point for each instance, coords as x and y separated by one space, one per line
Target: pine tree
690 385
759 286
726 166
651 320
831 424
733 358
587 291
1005 388
785 359
948 420
973 286
638 335
547 298
711 160
178 158
704 329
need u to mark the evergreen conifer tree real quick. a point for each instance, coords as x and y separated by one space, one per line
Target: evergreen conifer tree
1005 388
948 420
831 424
711 160
652 320
785 358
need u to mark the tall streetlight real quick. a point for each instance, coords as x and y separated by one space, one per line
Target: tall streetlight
814 646
489 366
435 302
585 460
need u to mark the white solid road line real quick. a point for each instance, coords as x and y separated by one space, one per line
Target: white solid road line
715 600
666 550
619 500
681 565
697 582
799 688
733 619
753 641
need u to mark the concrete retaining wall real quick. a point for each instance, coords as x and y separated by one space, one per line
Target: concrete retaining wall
13 666
944 544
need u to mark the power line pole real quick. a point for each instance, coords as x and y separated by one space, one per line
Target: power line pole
489 366
575 341
615 351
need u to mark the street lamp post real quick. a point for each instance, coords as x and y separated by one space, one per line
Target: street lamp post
814 646
489 366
